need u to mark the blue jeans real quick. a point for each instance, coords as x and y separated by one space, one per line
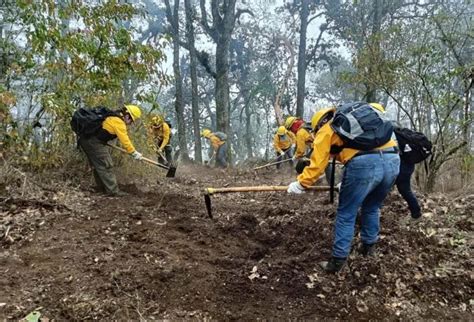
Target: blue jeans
404 187
366 182
221 156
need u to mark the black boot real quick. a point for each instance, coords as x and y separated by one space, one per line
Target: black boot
334 265
367 250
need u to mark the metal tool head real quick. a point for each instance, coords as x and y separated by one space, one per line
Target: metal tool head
207 201
171 172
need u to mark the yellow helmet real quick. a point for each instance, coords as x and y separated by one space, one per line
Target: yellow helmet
134 112
319 115
281 130
289 121
378 106
205 133
157 120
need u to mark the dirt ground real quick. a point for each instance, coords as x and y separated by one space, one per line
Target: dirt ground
72 254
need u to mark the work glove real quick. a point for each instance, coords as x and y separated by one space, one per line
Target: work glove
295 187
294 158
338 186
160 150
281 153
137 155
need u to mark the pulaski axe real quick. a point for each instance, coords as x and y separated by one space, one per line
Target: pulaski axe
210 191
171 169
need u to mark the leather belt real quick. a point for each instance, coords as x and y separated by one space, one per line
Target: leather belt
393 150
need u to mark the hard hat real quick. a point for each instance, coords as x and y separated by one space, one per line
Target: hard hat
205 133
289 121
281 130
377 106
134 112
157 120
319 115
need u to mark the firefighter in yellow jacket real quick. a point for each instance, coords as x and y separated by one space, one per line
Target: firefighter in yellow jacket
367 179
283 142
99 155
304 138
159 135
219 144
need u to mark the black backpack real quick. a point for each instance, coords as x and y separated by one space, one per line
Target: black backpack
361 126
88 122
414 146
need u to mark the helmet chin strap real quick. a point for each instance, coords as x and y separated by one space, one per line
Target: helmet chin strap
128 119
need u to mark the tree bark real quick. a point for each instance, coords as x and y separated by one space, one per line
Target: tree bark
281 90
173 19
223 22
300 95
194 84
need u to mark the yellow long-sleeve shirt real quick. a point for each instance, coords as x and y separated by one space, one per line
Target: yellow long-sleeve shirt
303 139
285 144
116 126
215 141
325 138
159 137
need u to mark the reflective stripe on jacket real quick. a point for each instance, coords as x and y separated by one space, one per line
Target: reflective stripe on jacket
116 126
325 138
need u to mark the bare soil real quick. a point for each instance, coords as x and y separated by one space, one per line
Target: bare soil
74 254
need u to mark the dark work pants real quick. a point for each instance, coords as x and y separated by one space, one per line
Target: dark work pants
404 187
101 162
221 156
288 155
167 153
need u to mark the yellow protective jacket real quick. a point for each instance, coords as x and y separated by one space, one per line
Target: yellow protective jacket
215 141
116 126
158 138
280 144
325 138
303 139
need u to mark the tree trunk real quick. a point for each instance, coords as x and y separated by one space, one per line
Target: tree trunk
173 19
248 130
374 45
281 90
194 84
222 85
223 15
466 131
300 96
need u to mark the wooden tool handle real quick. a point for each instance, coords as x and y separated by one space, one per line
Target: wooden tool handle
210 191
142 159
272 163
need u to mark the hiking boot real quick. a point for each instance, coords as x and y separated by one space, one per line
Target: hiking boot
117 194
367 250
334 265
416 216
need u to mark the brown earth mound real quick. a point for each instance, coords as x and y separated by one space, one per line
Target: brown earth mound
155 254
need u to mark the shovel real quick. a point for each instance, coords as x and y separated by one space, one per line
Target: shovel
210 191
171 170
272 163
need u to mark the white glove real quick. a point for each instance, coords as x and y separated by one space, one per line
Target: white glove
338 186
295 187
294 158
137 155
281 153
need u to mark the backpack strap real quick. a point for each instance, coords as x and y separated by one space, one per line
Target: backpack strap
333 176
